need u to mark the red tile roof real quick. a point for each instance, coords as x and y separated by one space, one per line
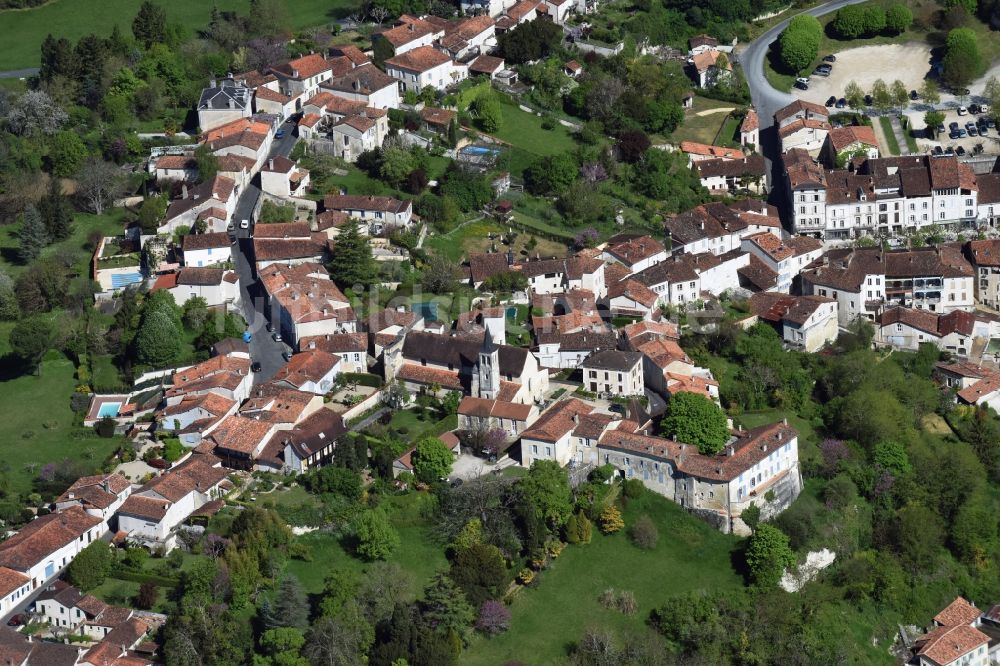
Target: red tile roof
947 644
307 366
304 67
420 59
483 408
707 150
43 536
958 612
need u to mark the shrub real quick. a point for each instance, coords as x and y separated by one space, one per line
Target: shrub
633 488
611 520
644 533
494 618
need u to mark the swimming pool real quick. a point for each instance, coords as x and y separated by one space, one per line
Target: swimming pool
428 311
479 150
512 312
108 409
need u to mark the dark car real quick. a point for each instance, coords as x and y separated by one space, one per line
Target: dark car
914 94
950 150
831 101
868 100
954 135
830 58
973 131
940 128
962 133
938 150
279 134
974 109
984 130
255 366
802 85
270 327
960 151
978 148
953 126
841 103
15 620
991 123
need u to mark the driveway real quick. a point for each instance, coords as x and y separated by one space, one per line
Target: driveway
262 348
468 467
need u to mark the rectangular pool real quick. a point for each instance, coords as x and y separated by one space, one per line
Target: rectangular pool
108 409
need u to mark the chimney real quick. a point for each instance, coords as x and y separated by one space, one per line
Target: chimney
324 54
270 163
356 85
312 343
295 73
410 26
730 451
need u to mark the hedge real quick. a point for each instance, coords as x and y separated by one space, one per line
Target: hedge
139 577
364 379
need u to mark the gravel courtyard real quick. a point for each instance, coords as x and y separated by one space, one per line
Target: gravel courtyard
909 63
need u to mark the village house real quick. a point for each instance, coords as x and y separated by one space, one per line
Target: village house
226 376
697 152
724 177
750 130
556 10
44 547
520 12
387 330
720 228
846 143
312 371
153 513
759 466
613 373
69 609
117 647
223 102
14 586
352 348
636 253
378 212
167 168
787 257
283 178
487 65
807 323
984 255
278 403
552 276
366 84
955 332
973 384
472 364
954 639
209 249
411 33
709 67
288 244
99 495
631 298
195 417
308 445
306 301
468 38
803 125
220 287
425 66
673 282
250 138
567 432
559 349
302 76
481 415
988 199
867 281
212 201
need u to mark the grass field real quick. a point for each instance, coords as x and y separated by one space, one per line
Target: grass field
38 423
108 224
702 129
546 620
419 555
24 29
474 237
892 144
528 139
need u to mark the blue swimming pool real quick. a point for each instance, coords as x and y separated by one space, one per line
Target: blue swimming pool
428 311
108 409
479 150
512 312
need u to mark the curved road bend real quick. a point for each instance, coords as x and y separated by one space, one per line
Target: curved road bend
767 100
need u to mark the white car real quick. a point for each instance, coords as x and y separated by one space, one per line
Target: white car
802 79
962 110
244 224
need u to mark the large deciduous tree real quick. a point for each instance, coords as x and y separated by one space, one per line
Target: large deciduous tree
768 555
798 44
99 183
694 419
377 539
432 460
962 59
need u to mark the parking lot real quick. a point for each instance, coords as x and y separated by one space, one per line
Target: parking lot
990 142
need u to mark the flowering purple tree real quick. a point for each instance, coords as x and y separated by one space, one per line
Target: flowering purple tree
47 472
493 441
593 172
586 238
494 618
833 451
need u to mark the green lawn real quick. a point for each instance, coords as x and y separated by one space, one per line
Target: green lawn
528 139
690 555
890 136
24 29
703 129
38 423
109 224
419 555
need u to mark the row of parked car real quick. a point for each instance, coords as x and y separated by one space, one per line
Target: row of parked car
825 68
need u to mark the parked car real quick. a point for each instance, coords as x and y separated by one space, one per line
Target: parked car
244 224
15 620
868 100
279 134
953 134
953 126
962 110
940 128
938 150
270 327
960 150
974 109
255 366
914 94
950 150
286 355
276 336
801 85
830 58
962 133
973 131
978 149
841 103
984 130
831 101
802 79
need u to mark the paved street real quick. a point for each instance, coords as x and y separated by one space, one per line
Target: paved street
262 348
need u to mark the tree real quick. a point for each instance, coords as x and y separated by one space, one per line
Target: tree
481 572
147 596
151 213
632 145
340 641
337 480
195 313
488 112
9 309
66 153
532 40
32 237
930 93
494 618
281 647
432 460
898 19
91 565
289 606
446 608
611 520
768 555
920 549
30 339
644 533
99 184
854 95
158 340
881 97
546 491
798 44
150 25
932 119
377 539
34 113
849 22
57 212
351 261
962 61
899 94
395 165
206 163
551 174
695 419
439 274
